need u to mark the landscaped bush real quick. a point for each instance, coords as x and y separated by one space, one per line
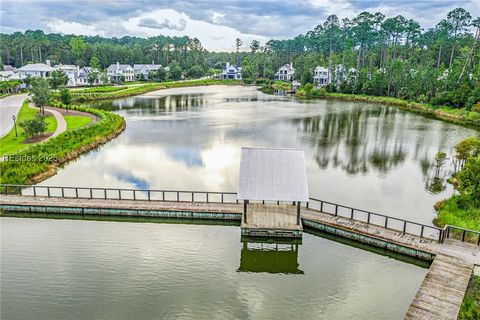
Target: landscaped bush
25 166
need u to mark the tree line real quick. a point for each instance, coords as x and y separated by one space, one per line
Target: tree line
368 54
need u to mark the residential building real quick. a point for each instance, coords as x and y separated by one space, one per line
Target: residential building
143 70
82 78
8 67
285 73
321 76
41 70
9 75
232 72
118 71
295 85
71 71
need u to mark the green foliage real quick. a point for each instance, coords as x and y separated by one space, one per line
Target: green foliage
468 181
175 72
57 79
195 72
476 107
40 91
65 96
34 127
9 86
63 147
92 77
470 309
94 63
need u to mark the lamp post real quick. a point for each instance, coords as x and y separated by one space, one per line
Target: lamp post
14 118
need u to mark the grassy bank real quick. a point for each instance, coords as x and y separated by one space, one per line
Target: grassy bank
11 143
111 92
471 302
41 161
459 116
449 212
75 122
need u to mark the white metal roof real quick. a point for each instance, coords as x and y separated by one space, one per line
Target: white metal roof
37 67
272 174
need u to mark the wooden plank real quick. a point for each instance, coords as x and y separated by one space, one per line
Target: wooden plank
441 292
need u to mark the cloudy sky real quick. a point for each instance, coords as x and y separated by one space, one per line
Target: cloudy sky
216 23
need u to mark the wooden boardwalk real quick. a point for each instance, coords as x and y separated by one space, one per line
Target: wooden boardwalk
441 294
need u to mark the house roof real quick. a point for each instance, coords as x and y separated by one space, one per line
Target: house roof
37 67
113 67
320 69
137 67
272 174
66 66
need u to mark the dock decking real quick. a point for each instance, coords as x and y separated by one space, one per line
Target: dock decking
439 296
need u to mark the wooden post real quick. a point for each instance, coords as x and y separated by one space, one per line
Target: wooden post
245 203
298 213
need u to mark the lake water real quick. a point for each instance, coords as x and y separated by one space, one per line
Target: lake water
368 156
74 269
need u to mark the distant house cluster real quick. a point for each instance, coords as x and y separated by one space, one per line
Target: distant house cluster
81 76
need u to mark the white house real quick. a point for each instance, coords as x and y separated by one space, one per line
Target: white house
145 69
117 71
321 76
9 75
71 71
232 72
41 70
286 72
82 78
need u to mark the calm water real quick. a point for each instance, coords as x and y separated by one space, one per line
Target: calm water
364 155
67 269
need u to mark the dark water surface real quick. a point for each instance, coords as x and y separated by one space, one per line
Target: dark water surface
364 155
69 269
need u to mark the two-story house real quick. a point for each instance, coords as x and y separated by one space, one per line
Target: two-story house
142 71
71 71
285 73
321 76
118 72
232 72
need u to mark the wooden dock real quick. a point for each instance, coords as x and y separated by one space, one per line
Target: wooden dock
271 220
441 294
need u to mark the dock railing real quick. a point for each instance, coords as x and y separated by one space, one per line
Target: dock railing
398 224
389 222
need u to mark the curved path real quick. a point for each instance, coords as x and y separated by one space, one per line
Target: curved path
9 106
61 123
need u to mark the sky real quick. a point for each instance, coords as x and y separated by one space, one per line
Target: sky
215 23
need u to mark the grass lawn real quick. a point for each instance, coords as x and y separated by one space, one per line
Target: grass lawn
74 122
9 143
450 213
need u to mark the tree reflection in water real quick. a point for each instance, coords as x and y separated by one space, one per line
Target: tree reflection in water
357 140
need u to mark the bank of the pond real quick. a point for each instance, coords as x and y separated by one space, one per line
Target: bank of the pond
471 303
40 161
111 92
459 116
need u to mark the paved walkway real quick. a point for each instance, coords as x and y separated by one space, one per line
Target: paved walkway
9 106
61 123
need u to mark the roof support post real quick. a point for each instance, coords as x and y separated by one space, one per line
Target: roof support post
245 203
298 213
